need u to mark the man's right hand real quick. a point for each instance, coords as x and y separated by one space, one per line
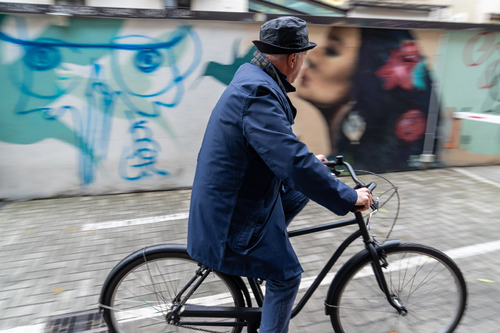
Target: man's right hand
365 199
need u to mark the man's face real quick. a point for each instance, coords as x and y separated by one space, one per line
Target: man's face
298 62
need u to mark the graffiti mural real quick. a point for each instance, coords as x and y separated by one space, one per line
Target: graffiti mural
101 106
471 95
373 88
89 74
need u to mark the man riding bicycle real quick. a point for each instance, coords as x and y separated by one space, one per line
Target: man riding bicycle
253 172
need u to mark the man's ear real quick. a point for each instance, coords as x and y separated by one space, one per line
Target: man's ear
292 60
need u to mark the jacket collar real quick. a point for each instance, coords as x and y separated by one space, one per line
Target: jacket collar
260 60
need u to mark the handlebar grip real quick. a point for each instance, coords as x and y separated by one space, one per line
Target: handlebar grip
370 187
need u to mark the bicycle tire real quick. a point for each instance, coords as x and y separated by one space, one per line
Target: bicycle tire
427 282
137 297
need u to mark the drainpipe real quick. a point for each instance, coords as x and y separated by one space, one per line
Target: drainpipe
428 157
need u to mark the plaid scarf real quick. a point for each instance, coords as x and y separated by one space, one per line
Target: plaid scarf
260 60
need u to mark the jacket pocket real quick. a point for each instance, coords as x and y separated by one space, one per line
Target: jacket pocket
252 207
247 229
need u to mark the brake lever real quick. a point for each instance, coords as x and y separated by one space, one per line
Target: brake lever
374 207
336 172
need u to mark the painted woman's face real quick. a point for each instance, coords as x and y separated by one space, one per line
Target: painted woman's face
327 74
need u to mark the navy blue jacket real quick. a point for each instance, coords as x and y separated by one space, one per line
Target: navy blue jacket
236 221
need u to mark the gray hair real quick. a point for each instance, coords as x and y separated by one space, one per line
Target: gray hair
276 58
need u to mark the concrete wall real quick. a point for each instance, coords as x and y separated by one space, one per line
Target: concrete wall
149 4
473 11
370 12
201 5
38 2
220 5
118 105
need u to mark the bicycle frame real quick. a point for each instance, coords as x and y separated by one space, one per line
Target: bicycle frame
362 231
252 314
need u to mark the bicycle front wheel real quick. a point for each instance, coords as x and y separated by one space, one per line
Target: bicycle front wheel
424 280
141 294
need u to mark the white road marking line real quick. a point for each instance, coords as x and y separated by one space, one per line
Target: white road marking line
473 250
458 253
25 329
140 221
476 177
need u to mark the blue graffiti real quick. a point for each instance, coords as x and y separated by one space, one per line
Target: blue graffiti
92 120
49 42
148 60
177 76
40 58
94 126
142 156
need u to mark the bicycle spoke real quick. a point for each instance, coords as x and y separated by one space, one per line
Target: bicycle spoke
145 296
142 314
424 285
408 266
162 290
139 299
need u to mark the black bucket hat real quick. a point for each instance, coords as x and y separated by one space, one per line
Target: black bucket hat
284 35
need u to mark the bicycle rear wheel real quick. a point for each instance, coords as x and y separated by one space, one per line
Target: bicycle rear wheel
140 294
424 280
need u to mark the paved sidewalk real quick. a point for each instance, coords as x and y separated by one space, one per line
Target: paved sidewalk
56 253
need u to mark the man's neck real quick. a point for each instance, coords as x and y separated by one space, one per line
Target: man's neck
261 60
283 68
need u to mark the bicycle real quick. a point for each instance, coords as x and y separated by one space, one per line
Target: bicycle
387 287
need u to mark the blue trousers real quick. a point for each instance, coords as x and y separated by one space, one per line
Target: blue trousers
278 304
280 295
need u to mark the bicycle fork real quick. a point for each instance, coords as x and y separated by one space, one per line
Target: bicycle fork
379 262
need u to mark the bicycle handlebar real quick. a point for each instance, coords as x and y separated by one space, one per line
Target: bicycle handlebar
339 161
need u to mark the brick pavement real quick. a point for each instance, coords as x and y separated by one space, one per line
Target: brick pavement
52 265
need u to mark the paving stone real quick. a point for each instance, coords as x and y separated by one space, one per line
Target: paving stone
51 267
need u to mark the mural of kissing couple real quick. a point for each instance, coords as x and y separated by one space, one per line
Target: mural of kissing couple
372 90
